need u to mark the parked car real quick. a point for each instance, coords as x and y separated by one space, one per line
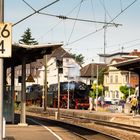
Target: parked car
115 101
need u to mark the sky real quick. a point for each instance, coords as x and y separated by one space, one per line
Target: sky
79 37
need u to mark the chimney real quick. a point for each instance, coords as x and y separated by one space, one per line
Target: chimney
135 50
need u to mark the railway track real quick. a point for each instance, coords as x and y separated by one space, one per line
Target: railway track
79 131
107 128
121 126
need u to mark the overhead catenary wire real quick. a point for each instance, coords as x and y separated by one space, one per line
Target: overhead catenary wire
104 7
28 5
123 10
83 19
93 13
123 43
126 47
75 22
87 35
54 26
121 5
78 19
36 11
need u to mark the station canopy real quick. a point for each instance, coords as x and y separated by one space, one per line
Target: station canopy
129 65
30 52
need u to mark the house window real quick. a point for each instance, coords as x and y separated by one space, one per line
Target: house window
117 94
67 60
125 79
111 79
116 78
107 79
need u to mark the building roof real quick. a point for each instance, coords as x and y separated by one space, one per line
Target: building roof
117 60
60 53
113 54
134 53
30 52
91 69
129 65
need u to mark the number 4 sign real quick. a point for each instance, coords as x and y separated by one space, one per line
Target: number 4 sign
5 39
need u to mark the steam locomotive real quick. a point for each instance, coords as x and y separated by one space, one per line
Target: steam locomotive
77 92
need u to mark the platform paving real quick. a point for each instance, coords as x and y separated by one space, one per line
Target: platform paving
36 132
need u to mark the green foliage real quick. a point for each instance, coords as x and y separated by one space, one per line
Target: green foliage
96 89
92 94
125 91
27 39
101 75
79 58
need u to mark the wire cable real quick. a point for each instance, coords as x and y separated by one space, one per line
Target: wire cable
35 12
78 19
121 5
62 19
93 14
75 22
123 11
29 5
89 34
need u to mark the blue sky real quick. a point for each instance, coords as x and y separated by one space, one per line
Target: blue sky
47 29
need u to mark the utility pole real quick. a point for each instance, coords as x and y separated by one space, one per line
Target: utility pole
1 75
97 89
129 82
105 28
45 85
68 101
58 117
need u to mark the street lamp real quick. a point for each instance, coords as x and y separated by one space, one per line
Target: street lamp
97 79
68 100
129 86
97 89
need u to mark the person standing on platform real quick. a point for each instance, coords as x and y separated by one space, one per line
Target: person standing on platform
90 100
134 103
138 97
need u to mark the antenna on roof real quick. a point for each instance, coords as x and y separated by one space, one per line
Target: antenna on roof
122 49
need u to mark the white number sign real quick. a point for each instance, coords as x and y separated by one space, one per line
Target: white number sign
5 39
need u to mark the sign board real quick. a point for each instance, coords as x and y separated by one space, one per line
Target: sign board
5 39
30 79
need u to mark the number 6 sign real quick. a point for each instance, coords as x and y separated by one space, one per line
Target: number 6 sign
5 39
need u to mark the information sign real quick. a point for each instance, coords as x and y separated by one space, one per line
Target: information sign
5 40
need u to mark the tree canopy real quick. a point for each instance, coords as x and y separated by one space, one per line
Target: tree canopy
96 90
79 58
27 38
125 91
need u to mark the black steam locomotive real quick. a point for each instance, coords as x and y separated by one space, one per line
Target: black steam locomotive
76 91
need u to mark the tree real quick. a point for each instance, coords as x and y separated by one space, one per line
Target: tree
96 89
102 70
125 91
79 58
27 39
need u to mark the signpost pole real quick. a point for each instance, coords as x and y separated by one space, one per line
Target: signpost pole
1 75
58 117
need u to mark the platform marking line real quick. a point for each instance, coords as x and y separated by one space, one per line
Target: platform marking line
59 138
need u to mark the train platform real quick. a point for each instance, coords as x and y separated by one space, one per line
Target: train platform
125 118
31 131
16 132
